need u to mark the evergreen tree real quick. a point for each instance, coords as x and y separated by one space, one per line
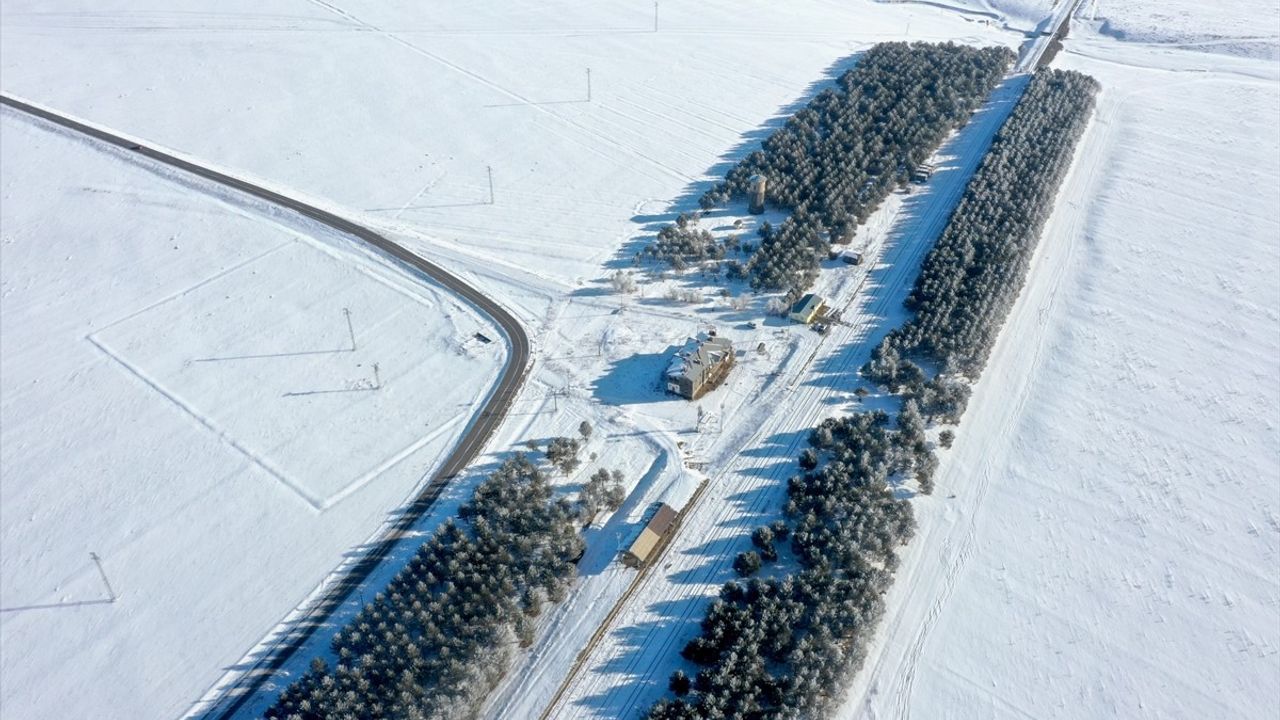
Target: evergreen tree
747 563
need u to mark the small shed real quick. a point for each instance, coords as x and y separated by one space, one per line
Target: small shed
656 532
807 308
851 257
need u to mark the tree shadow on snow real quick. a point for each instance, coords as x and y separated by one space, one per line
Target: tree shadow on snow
647 224
645 645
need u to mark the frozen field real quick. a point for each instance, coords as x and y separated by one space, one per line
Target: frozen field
391 112
1105 537
185 397
391 117
1240 27
205 419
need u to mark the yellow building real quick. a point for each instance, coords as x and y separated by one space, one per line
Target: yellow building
807 309
655 532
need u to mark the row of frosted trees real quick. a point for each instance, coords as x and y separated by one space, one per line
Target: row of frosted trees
972 276
782 647
835 161
437 640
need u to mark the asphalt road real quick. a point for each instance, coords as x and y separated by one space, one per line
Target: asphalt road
491 414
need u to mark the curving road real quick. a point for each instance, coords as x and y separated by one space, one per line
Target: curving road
485 422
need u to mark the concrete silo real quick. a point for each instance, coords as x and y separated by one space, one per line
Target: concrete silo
756 195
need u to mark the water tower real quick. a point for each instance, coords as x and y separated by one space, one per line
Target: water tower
756 195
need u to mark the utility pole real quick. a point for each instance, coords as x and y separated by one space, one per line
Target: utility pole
377 379
111 594
350 329
489 170
555 398
588 84
655 15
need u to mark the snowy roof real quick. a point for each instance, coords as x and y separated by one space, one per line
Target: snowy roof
806 304
698 353
652 533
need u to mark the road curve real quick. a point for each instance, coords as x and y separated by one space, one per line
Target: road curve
491 414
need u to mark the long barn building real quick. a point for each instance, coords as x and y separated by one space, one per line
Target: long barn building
656 532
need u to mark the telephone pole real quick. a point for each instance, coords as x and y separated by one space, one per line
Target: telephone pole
588 84
555 397
655 15
111 594
351 331
489 170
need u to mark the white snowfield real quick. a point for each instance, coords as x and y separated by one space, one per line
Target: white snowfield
1239 27
1112 548
393 111
218 403
388 114
1124 567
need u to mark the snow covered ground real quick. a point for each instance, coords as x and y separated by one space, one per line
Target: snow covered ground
1242 27
217 402
392 112
391 115
1105 537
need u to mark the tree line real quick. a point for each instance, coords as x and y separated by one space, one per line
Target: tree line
834 161
782 647
440 636
973 274
779 647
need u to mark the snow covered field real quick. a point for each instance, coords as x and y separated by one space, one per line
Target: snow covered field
184 396
1241 27
391 114
1105 537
